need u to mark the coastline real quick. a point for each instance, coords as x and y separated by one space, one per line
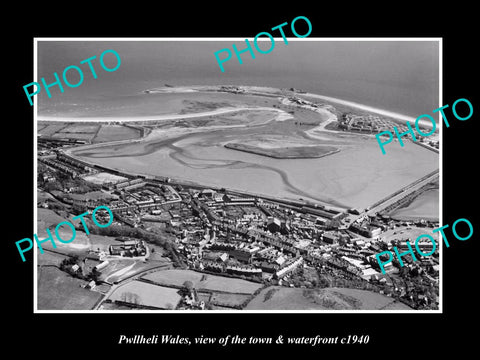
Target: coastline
280 92
247 90
226 110
368 108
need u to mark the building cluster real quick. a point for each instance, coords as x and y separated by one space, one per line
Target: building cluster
49 143
262 239
128 248
429 143
139 200
191 300
366 123
372 124
61 162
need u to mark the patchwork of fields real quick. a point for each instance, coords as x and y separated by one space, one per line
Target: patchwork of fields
200 281
269 152
282 298
144 294
88 132
59 291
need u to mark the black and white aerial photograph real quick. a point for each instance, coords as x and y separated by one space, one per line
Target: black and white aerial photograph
217 179
259 188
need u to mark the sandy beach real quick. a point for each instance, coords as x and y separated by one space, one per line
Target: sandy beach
383 112
217 88
281 117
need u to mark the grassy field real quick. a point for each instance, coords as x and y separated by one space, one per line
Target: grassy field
92 195
50 129
203 281
174 277
280 298
50 258
229 300
116 271
82 242
80 245
141 293
80 128
232 285
43 196
90 132
115 132
76 136
47 218
68 130
204 296
103 177
59 291
193 106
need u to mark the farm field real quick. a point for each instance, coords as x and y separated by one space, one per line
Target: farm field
232 285
80 245
80 128
115 133
76 136
141 293
59 291
50 129
92 195
43 196
201 281
280 298
90 132
47 218
50 258
229 300
174 277
68 130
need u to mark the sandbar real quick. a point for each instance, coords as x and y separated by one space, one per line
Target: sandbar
296 152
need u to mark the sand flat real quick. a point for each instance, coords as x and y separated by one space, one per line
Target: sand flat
355 176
